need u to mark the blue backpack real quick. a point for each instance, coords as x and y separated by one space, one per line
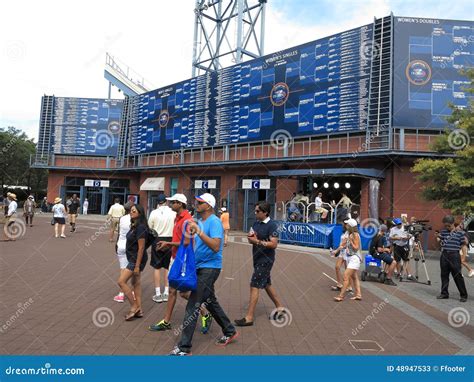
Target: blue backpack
182 275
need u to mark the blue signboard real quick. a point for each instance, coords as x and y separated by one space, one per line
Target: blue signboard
86 126
428 55
318 87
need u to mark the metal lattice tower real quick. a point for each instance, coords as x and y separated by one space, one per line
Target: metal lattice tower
226 32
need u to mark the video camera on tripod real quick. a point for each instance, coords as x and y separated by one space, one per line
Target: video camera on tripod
417 227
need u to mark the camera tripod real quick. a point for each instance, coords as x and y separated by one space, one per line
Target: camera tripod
416 251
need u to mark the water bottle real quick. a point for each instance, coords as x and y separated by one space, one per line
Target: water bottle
330 252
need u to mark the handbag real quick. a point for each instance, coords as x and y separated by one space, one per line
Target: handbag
53 222
182 275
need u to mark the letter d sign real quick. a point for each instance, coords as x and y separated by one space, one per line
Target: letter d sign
390 368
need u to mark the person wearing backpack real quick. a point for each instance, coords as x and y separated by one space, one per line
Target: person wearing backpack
209 243
379 249
138 239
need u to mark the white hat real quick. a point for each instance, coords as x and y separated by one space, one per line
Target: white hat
207 198
223 209
178 197
351 222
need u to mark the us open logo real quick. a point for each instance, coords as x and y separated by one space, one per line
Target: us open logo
418 72
164 118
114 127
279 94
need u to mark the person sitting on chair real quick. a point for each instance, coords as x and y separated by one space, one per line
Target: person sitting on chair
379 249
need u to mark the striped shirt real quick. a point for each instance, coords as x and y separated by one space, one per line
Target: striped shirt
452 241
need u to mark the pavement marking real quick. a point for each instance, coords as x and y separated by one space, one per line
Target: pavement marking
366 345
329 277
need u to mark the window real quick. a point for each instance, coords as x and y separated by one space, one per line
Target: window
173 186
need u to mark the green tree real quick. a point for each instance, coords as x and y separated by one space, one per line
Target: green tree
451 180
15 151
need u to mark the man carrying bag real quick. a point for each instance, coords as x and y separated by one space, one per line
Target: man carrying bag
209 241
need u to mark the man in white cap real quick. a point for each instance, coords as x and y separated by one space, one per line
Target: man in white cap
10 217
209 242
178 205
162 221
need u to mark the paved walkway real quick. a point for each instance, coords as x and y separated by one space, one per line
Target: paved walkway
56 298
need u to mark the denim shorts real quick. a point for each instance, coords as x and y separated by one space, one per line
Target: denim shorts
385 257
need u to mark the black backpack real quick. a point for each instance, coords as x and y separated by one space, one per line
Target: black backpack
151 237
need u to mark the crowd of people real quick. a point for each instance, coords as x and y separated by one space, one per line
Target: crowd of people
171 225
394 248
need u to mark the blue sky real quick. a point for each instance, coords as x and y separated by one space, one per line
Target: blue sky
55 54
309 12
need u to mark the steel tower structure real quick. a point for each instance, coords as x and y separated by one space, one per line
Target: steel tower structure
226 32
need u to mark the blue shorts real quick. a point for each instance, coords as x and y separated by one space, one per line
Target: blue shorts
385 257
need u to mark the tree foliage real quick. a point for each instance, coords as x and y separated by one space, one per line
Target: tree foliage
15 151
451 180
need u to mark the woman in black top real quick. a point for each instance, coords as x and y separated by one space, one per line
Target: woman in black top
137 258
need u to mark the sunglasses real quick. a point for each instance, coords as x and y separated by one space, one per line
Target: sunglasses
199 202
174 201
257 211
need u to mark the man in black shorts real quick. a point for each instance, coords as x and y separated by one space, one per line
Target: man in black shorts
162 221
72 207
264 237
380 250
399 237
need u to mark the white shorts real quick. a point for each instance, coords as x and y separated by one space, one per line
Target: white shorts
122 258
353 262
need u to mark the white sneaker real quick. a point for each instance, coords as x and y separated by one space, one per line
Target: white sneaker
157 298
471 273
63 236
165 297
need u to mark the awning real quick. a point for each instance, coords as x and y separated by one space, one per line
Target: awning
372 173
153 184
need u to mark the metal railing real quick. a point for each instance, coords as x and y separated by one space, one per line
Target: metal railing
302 213
347 144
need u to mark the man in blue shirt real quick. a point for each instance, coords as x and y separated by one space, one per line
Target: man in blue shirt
209 242
451 242
264 239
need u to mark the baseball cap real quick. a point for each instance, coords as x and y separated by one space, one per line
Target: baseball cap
383 228
179 198
161 198
397 221
207 198
351 222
